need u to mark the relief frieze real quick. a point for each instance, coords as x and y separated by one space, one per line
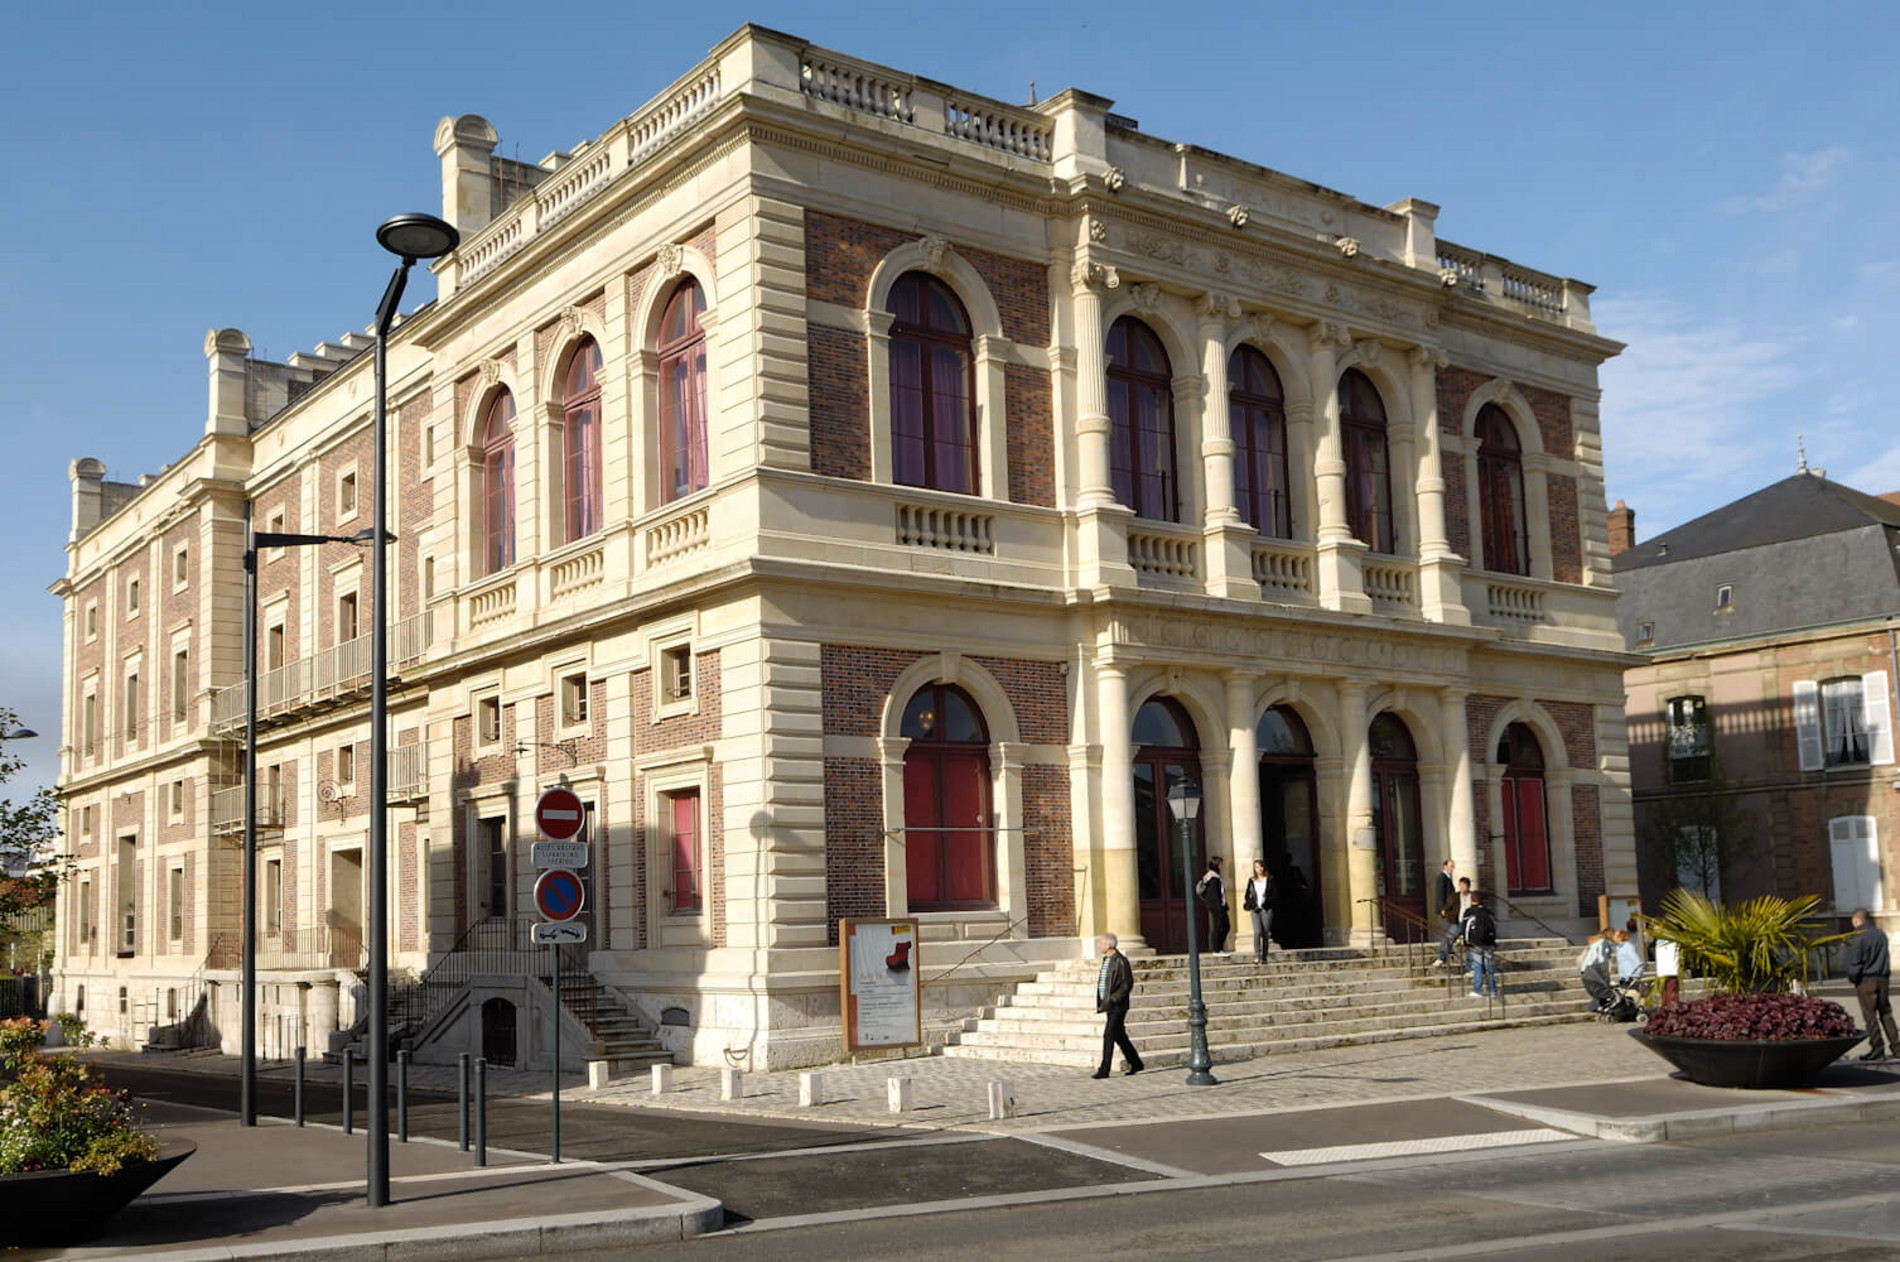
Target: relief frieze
1268 645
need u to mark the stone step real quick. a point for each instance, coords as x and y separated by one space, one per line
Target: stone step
1268 1010
1237 984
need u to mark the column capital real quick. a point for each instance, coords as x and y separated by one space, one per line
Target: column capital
1328 335
1188 386
1214 307
1453 692
1430 357
1094 277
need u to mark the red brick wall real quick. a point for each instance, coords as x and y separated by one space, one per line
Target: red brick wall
840 404
408 886
1038 693
854 842
186 826
1048 851
1031 436
1575 720
134 633
1588 831
1566 530
415 500
357 451
1455 388
277 571
679 732
1552 411
854 682
840 255
179 606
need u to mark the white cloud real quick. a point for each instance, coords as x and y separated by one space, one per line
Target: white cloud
1687 421
1803 175
1879 475
1887 270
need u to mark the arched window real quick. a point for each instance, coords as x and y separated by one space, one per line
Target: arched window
1258 420
933 425
1395 815
580 440
1141 451
1289 824
1501 493
1167 754
1526 833
682 394
498 485
1368 465
948 840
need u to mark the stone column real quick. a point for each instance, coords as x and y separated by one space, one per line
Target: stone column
1102 524
1243 796
1340 584
1362 844
890 755
1440 590
1493 849
1454 736
1120 883
1229 539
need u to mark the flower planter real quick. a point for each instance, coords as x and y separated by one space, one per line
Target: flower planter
59 1207
1750 1063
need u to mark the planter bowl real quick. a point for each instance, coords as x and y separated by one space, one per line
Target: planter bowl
59 1207
1749 1063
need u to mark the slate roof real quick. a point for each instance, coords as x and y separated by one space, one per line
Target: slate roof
1799 507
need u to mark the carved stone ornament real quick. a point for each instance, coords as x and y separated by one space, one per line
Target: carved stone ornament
1368 349
491 372
1237 216
1448 277
1498 389
936 248
1098 231
1086 275
1348 246
1428 357
671 261
1332 295
1215 304
1260 327
1147 298
571 322
1114 179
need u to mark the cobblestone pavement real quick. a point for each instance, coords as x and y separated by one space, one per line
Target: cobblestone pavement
954 1092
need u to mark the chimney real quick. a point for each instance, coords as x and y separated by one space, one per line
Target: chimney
227 352
1622 528
89 488
466 146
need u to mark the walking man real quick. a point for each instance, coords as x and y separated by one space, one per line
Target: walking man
1868 970
1212 887
1481 944
1114 985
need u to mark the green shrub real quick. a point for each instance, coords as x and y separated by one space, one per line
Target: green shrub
55 1115
1760 946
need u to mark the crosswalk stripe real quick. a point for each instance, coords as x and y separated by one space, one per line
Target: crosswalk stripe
1414 1147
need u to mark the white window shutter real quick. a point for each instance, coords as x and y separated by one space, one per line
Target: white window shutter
1856 862
1807 724
1879 717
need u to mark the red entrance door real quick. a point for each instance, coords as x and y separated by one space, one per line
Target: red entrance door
1166 756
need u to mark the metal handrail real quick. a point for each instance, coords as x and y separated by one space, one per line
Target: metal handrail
1539 921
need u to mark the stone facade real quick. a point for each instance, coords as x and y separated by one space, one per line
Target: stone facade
809 597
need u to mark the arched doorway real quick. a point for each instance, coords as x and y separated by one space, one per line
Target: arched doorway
1167 753
948 842
1289 825
1395 817
498 1031
1526 830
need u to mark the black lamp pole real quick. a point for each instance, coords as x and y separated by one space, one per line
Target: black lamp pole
408 237
1185 800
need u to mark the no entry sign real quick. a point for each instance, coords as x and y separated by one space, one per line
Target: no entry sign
559 814
559 894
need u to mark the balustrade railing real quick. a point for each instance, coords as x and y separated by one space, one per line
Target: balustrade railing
227 807
1533 289
659 122
997 127
675 537
325 675
574 574
570 187
950 529
1465 267
409 770
856 86
1514 602
1283 570
1390 583
491 603
1164 556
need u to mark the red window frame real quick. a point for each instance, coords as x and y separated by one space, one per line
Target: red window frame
684 836
580 440
1526 813
948 842
1501 493
1362 432
933 388
1142 447
498 485
1257 417
682 394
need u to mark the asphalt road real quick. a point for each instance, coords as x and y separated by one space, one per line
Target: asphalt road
1810 1195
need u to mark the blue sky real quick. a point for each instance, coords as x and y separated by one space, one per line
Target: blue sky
1726 175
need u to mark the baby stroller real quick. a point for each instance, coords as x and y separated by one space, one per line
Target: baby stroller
1618 1002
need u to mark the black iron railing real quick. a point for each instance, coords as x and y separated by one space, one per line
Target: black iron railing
494 945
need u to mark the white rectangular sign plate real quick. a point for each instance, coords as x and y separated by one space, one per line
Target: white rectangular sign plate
559 854
566 933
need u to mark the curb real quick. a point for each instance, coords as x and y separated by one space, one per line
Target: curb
1658 1128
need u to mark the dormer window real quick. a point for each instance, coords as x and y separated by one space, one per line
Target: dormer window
1724 598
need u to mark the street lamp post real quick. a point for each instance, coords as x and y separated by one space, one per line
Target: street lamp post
1184 799
408 237
247 987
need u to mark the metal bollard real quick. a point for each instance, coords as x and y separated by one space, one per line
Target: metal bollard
402 1096
461 1129
296 1090
481 1111
349 1091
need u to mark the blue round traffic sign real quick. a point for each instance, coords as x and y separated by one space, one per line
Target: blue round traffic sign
559 894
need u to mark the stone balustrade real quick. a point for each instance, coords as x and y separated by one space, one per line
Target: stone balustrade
1391 583
1284 570
1168 554
951 529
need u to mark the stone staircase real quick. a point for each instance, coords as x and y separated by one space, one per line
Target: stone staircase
620 1038
1298 1001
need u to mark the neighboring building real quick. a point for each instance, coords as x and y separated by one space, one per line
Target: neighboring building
1761 725
817 471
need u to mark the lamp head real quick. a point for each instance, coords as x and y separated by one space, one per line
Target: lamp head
418 236
19 734
1184 799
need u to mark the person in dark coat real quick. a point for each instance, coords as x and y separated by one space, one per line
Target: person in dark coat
1212 888
1114 986
1261 897
1868 969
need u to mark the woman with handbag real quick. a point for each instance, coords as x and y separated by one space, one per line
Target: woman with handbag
1260 898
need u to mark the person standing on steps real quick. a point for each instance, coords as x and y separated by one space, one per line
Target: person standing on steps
1868 969
1213 891
1444 886
1260 898
1114 986
1452 911
1481 944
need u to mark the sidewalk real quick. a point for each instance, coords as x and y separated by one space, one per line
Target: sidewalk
274 1191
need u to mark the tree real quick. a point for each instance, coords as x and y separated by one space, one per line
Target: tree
26 833
1697 829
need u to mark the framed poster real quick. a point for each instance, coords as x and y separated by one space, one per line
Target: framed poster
877 983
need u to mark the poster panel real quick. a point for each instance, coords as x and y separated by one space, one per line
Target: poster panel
878 984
